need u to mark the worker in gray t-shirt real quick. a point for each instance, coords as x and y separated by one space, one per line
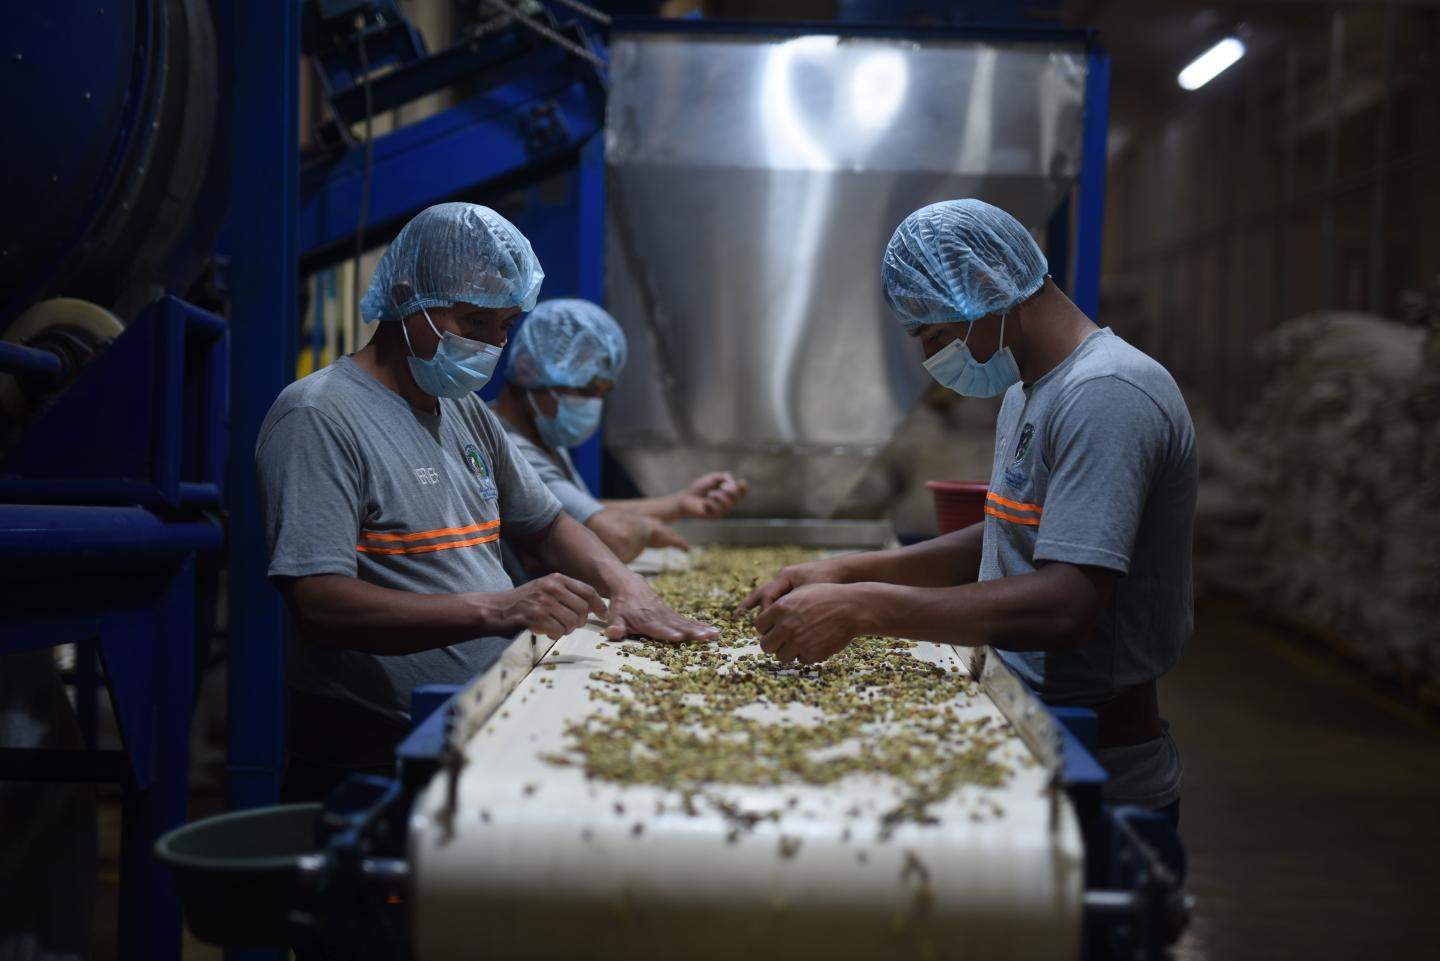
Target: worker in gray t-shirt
1079 575
565 360
385 484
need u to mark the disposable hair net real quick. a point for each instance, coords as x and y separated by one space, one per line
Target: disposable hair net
454 253
958 261
566 343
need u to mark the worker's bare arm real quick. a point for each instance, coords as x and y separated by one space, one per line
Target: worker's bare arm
627 534
944 561
708 497
1056 607
635 608
337 611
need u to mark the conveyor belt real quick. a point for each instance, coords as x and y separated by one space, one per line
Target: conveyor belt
516 857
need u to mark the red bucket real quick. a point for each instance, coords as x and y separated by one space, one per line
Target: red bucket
958 504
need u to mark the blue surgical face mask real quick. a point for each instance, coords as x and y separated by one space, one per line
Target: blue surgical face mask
956 368
576 418
460 366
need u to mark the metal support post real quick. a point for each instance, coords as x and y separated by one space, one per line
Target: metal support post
149 917
1089 227
264 280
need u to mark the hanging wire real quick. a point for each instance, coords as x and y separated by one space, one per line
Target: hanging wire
550 34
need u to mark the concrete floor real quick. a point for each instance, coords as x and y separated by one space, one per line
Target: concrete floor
1311 808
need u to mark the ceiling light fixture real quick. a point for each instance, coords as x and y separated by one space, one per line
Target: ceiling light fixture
1212 63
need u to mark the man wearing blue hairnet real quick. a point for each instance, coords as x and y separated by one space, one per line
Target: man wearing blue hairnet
565 360
386 484
1079 575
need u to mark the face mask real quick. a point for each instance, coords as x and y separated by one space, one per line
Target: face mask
575 420
460 366
956 368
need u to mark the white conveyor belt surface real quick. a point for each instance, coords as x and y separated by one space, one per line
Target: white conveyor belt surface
518 858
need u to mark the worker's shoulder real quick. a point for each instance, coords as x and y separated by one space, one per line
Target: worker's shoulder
482 422
333 385
519 441
330 394
533 453
1106 359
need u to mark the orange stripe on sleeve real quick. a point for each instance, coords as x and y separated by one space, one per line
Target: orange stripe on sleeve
428 548
1027 521
426 535
1016 505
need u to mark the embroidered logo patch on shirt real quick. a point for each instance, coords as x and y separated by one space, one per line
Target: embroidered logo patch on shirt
1023 448
476 462
1014 475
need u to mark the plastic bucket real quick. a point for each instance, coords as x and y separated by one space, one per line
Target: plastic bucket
958 504
236 873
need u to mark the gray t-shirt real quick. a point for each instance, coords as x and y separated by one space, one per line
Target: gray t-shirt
558 473
355 481
1095 465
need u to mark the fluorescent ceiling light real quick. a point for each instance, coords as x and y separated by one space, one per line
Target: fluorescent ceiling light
1212 63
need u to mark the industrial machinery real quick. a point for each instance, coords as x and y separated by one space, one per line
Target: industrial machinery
725 188
112 437
755 174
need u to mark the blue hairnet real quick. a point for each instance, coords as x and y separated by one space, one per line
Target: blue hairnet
450 254
566 343
958 261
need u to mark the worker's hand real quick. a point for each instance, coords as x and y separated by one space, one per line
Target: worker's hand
662 534
639 610
827 571
553 605
811 623
711 496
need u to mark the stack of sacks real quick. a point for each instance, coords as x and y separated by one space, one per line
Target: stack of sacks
1343 457
1228 555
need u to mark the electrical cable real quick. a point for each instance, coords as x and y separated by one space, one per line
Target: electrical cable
549 34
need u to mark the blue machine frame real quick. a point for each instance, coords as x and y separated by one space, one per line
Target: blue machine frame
107 526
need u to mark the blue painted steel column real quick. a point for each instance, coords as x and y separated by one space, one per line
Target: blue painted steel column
149 910
590 235
264 281
1090 225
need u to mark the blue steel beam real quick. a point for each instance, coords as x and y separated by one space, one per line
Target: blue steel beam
478 64
554 105
143 424
81 539
264 283
997 33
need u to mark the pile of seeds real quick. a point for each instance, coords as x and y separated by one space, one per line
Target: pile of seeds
688 722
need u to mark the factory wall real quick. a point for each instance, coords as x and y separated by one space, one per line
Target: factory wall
1301 181
1277 246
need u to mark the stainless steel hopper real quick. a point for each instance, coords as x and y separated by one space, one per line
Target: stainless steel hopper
753 181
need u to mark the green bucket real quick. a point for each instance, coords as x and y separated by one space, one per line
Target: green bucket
236 873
